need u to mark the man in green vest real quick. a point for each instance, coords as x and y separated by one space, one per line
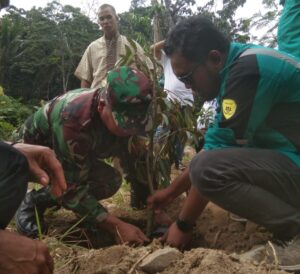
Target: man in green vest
250 164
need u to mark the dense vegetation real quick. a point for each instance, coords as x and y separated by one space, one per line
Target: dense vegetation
12 115
40 48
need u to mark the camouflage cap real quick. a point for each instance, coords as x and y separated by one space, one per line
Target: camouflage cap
129 93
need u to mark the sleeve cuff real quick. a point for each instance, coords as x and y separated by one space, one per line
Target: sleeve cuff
101 217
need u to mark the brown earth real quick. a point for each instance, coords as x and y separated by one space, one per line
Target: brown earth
216 237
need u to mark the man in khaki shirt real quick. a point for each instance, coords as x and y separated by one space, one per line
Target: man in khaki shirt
102 54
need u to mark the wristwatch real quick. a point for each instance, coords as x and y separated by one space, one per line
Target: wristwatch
184 225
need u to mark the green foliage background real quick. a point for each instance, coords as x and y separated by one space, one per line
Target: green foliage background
41 48
12 114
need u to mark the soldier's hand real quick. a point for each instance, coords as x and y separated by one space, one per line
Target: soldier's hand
129 234
19 254
44 166
124 233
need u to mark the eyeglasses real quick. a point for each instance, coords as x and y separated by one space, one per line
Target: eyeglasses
107 17
188 78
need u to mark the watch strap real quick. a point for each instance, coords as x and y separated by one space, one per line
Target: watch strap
184 225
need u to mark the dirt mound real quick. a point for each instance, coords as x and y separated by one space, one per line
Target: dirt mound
216 237
209 261
124 259
78 249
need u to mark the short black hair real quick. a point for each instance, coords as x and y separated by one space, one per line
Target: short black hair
104 6
194 38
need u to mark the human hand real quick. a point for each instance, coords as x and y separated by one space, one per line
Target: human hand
44 166
129 234
176 238
19 254
162 218
160 199
139 145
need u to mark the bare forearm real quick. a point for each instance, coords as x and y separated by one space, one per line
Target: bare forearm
110 223
157 47
124 233
164 197
181 184
193 206
85 84
44 166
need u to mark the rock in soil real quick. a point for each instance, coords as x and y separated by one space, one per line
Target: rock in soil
160 259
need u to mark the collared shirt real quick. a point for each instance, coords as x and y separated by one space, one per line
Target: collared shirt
93 64
111 51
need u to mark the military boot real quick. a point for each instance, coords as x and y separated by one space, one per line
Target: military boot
25 217
138 195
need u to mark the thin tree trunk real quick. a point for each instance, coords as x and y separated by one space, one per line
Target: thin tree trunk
157 36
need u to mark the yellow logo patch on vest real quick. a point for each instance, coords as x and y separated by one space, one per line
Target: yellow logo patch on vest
229 108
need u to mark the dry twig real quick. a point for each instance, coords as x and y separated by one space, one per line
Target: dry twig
133 268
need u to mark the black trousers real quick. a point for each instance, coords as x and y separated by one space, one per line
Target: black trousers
260 185
13 182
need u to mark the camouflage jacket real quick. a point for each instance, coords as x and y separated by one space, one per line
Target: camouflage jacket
70 124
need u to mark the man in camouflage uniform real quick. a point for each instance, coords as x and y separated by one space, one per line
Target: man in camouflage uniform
102 54
84 127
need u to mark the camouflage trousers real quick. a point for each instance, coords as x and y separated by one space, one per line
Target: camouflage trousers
88 181
103 182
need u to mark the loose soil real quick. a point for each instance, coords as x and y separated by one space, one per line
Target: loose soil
216 237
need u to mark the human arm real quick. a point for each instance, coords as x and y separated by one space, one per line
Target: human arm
94 180
194 205
44 166
192 209
43 163
156 48
142 56
85 84
161 198
19 254
124 233
87 206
